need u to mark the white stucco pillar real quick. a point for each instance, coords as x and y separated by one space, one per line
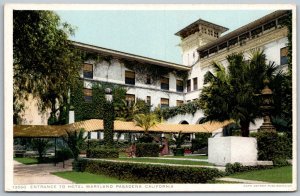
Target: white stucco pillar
71 116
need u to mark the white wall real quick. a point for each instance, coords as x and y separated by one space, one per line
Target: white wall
115 73
222 150
31 114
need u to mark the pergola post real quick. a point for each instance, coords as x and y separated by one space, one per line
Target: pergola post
55 151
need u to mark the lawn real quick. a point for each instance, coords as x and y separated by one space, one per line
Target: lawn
27 160
167 161
186 157
87 178
276 175
31 160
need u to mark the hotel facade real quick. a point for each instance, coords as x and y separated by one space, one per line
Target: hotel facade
201 43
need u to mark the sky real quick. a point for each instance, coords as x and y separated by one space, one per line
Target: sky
148 33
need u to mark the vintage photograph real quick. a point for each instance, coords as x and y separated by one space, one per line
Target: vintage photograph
150 98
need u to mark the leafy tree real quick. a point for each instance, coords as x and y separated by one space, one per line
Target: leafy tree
127 112
45 63
232 93
41 145
146 121
75 140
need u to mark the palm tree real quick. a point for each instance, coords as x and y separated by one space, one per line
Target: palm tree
232 93
75 140
146 121
41 145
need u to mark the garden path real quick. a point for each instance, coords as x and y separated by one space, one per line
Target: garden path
179 159
40 173
242 181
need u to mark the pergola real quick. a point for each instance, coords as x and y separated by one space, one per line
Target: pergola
58 131
55 131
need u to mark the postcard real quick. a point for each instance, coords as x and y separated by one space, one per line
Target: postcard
150 97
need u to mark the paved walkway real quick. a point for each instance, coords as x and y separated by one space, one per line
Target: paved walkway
242 181
40 173
179 159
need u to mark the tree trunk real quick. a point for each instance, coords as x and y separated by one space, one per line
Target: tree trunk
245 128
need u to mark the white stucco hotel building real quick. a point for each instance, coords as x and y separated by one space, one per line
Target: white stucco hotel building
201 42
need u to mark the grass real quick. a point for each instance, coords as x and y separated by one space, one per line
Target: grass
32 160
276 175
27 160
222 182
186 157
87 178
167 161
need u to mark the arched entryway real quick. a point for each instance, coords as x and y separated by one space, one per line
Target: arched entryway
184 122
190 136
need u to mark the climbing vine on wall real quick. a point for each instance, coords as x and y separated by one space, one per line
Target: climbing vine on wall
153 71
94 109
188 108
108 122
94 56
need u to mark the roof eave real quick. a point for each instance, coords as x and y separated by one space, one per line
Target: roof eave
120 54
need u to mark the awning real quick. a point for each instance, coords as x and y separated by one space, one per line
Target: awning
119 126
39 130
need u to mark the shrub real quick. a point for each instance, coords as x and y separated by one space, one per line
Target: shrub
147 150
201 141
237 167
41 145
102 153
92 143
63 154
280 162
145 173
147 138
233 168
272 146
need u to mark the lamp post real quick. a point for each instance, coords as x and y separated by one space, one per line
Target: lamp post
267 107
108 118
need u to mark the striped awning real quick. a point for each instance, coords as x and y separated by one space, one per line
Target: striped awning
119 126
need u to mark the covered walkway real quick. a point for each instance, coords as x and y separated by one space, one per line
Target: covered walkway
56 131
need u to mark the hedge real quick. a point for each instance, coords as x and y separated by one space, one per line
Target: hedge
238 167
272 146
63 154
145 173
147 150
102 153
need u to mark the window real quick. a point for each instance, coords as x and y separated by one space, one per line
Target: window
179 85
164 103
148 79
216 34
130 99
164 83
149 100
195 81
87 70
87 94
283 56
179 102
188 86
129 77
